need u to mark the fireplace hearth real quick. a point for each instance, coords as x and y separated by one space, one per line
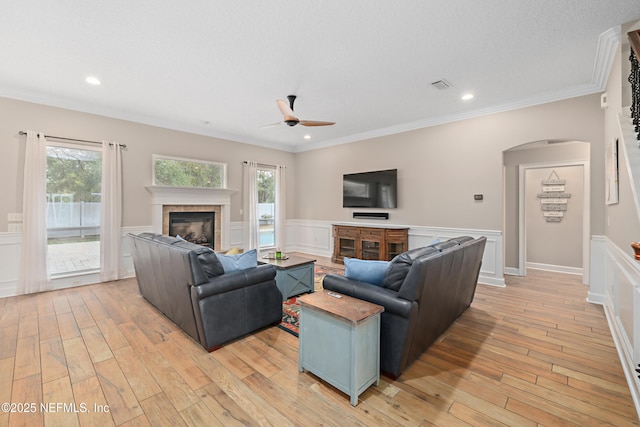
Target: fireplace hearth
194 227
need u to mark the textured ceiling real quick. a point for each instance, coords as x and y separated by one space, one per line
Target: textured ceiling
216 67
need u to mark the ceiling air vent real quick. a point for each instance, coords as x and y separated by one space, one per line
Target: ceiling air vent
441 84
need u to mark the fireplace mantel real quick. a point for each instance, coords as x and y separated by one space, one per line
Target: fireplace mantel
165 195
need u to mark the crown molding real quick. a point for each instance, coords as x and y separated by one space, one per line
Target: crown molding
607 44
605 54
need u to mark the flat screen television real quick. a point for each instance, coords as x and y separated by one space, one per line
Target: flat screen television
377 189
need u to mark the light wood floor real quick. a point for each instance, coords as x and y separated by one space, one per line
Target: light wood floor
534 353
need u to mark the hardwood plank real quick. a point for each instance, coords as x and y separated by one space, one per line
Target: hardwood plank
78 360
122 402
96 345
136 338
225 409
61 408
140 379
82 315
90 392
53 361
67 326
227 386
6 379
27 357
181 361
9 340
161 412
28 391
48 327
112 334
176 389
199 415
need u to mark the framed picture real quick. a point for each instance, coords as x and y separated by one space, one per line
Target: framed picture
611 164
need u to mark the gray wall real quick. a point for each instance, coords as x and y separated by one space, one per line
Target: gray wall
554 243
440 168
142 141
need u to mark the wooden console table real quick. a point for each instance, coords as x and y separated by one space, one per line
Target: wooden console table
373 243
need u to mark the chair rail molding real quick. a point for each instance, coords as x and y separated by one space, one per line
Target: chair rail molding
315 237
620 280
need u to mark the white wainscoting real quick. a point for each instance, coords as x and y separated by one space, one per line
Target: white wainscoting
316 238
312 237
9 263
616 284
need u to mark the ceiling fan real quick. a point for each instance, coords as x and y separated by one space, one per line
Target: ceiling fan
289 116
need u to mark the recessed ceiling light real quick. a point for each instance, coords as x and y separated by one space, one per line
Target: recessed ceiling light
307 137
467 96
93 81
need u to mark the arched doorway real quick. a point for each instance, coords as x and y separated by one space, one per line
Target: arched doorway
549 243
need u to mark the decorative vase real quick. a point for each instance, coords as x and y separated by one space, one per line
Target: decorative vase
636 249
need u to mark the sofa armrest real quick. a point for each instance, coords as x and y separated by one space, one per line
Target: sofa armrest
235 280
387 298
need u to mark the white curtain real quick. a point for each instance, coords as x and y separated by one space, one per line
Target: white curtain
281 207
33 275
111 211
250 190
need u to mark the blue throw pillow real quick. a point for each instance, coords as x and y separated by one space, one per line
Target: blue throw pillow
237 262
365 271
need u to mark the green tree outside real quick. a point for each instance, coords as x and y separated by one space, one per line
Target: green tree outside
183 173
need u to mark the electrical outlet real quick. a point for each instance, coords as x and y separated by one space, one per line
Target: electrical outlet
15 227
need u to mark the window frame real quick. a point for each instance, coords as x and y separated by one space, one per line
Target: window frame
155 157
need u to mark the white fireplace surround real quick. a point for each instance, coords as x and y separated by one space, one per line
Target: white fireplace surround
165 195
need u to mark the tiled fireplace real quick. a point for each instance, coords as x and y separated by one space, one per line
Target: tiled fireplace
166 200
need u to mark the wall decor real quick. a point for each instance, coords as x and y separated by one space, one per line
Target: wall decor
553 198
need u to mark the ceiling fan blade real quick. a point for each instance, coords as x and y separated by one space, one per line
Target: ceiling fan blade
271 125
286 111
315 123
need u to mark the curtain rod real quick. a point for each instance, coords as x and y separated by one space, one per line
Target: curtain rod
71 139
261 165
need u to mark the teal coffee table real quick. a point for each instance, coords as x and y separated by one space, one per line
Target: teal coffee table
340 341
294 275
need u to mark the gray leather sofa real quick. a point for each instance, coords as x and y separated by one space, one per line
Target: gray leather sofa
187 283
423 292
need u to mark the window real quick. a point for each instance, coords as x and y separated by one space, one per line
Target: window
74 178
177 172
266 206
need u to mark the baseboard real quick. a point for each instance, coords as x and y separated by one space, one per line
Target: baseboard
511 271
554 268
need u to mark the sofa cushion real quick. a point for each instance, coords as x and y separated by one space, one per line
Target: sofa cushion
237 262
400 265
206 257
368 271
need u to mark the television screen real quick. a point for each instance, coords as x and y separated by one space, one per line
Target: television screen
376 189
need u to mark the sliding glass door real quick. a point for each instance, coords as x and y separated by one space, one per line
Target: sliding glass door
74 174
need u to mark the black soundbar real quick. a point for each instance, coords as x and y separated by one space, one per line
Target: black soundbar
373 215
